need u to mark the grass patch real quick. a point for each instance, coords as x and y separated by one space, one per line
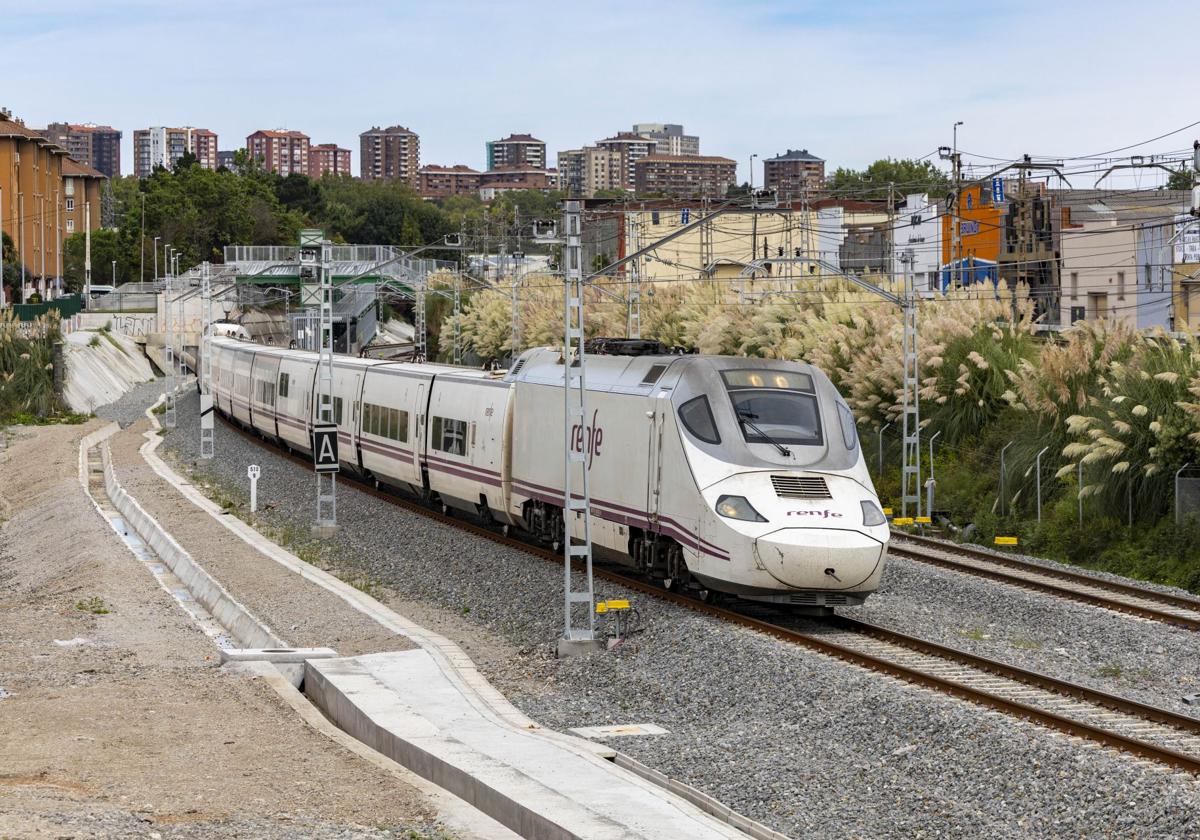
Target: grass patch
94 341
94 605
974 634
1026 643
1110 671
113 341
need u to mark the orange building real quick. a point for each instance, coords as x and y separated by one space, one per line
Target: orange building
36 181
981 227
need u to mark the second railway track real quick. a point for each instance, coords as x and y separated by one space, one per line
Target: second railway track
1165 607
1150 732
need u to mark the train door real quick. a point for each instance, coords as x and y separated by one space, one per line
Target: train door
659 405
418 449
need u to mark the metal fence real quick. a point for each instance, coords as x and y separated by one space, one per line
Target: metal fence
64 306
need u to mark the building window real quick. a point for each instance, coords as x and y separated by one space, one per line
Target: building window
1074 285
1120 285
70 225
70 205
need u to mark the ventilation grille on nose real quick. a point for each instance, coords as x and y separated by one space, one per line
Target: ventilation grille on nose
517 367
800 487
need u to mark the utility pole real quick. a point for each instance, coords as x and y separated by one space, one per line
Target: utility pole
21 236
87 253
207 444
142 245
910 479
168 353
576 439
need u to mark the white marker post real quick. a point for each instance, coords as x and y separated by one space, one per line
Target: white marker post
253 472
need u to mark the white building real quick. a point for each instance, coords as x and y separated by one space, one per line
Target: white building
918 227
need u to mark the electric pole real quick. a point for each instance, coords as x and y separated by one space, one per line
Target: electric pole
576 439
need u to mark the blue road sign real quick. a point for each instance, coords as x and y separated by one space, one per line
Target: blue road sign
683 216
997 190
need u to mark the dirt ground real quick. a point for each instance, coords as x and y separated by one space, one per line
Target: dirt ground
115 719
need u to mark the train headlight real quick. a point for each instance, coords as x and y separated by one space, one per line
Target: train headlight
738 507
872 515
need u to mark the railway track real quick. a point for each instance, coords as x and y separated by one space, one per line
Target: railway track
1150 732
1178 610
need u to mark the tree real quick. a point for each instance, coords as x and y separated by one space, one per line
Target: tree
1181 179
903 176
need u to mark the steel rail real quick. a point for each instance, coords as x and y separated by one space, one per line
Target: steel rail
1014 570
880 664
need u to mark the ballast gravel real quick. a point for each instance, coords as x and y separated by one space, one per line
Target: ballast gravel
131 407
809 746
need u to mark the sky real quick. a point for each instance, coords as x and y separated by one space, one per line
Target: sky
849 80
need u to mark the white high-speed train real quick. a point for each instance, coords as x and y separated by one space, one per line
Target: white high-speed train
731 475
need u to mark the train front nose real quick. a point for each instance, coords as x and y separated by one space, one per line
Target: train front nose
821 558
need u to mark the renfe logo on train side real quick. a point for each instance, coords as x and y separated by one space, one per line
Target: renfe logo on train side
590 436
824 514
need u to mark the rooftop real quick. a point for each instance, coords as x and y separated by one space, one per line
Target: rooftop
74 168
460 168
391 129
686 159
793 154
519 138
629 136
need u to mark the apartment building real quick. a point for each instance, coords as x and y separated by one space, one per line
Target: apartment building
794 175
1118 255
163 146
434 181
631 148
393 152
281 151
82 187
522 151
583 172
328 159
97 146
685 176
43 199
670 138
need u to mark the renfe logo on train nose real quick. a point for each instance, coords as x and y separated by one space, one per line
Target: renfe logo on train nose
590 436
824 514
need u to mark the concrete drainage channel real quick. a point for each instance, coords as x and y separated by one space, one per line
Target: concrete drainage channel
239 636
368 698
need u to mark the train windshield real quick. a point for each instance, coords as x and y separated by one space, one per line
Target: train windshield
775 407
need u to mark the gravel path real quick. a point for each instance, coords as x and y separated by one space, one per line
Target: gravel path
806 744
132 406
116 719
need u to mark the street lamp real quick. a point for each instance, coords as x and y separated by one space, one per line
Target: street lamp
155 249
114 264
956 125
752 157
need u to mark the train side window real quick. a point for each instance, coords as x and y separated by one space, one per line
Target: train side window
337 410
284 381
450 436
697 418
402 426
849 427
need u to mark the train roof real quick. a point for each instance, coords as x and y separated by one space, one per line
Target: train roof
637 374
